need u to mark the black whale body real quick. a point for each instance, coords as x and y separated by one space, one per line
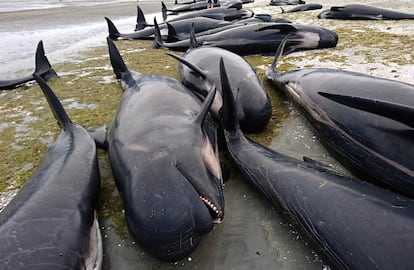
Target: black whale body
363 12
52 223
163 151
356 225
227 13
182 26
304 7
372 146
259 38
254 107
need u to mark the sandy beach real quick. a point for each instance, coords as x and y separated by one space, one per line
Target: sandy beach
253 235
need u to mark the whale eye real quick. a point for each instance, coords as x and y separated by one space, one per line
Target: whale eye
211 159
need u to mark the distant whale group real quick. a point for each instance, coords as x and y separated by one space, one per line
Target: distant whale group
165 138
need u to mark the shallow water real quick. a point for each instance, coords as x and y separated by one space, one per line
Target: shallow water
66 28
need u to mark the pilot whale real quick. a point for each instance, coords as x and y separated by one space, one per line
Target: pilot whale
363 12
374 147
42 68
257 38
355 224
162 146
52 221
253 104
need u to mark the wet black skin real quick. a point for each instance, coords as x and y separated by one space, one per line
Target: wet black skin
373 147
50 224
285 2
355 224
157 146
260 38
185 7
42 67
363 12
253 104
228 13
304 7
181 26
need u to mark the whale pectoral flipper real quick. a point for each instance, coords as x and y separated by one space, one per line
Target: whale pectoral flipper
100 135
401 113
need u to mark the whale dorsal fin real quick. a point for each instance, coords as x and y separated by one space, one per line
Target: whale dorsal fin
193 39
228 111
57 108
400 113
141 22
43 66
117 62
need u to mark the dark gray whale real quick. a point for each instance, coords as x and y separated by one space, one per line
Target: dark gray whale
258 38
227 13
286 2
355 224
162 146
181 26
52 223
363 12
253 104
372 146
42 67
304 7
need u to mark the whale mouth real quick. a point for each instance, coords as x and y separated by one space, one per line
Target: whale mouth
214 210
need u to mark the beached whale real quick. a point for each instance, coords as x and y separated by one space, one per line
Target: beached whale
363 12
253 105
42 67
162 146
181 26
52 221
227 13
286 2
354 224
372 146
304 7
186 7
258 38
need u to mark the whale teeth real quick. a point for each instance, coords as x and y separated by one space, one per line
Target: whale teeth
210 204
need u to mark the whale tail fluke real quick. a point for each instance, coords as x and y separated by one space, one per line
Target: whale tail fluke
398 112
54 103
43 67
112 30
